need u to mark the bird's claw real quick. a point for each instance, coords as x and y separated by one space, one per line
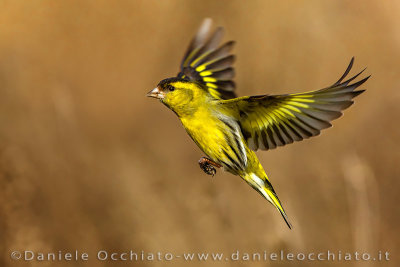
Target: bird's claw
208 169
208 166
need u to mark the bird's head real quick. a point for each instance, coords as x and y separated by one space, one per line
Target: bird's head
180 95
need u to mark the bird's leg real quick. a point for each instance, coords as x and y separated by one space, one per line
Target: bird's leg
208 166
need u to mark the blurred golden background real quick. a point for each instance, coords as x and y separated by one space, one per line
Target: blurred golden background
87 162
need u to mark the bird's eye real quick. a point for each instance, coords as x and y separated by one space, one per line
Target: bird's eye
171 88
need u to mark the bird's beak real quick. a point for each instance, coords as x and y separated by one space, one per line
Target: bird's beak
156 93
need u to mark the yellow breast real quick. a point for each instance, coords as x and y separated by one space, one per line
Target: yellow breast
206 131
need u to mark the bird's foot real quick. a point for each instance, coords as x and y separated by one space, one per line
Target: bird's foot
208 166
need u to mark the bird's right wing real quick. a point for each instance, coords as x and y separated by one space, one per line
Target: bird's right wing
209 63
269 121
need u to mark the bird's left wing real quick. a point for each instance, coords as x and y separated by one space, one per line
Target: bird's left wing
269 121
208 62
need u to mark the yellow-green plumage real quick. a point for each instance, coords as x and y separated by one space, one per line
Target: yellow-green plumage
213 127
228 129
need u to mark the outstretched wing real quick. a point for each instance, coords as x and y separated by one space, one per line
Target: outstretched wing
269 121
209 63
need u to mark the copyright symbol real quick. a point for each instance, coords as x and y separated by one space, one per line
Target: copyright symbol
16 255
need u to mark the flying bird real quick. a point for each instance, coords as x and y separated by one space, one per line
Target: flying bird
229 129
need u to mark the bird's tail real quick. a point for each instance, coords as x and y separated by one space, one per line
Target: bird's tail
264 187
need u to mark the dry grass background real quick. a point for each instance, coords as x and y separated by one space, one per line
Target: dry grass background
87 162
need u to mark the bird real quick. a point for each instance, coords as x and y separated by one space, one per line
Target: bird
229 129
